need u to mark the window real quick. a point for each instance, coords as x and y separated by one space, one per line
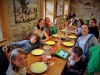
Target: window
66 8
4 27
48 9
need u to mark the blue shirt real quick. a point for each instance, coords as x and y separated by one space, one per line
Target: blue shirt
26 45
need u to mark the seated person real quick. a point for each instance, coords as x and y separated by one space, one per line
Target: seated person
90 16
72 23
67 23
18 62
86 21
94 60
27 45
56 24
49 28
75 65
71 14
85 41
78 30
39 30
93 27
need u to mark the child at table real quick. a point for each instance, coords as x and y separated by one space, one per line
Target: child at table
75 65
17 63
28 45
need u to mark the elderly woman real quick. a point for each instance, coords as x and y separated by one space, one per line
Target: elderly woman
86 41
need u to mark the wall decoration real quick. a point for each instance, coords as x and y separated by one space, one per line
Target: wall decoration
25 10
59 8
86 3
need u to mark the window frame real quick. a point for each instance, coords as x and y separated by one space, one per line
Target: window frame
43 9
4 20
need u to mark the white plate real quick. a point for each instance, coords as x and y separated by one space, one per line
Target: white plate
50 42
68 44
37 52
55 35
38 67
72 37
63 30
46 47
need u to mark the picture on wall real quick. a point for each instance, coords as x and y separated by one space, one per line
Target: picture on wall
25 10
86 3
59 8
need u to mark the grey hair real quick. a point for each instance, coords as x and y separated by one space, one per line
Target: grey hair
46 18
57 19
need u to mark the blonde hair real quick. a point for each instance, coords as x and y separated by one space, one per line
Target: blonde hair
13 55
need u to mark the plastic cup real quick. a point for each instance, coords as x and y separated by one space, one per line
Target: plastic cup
41 58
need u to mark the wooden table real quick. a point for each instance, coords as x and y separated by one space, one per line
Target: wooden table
58 65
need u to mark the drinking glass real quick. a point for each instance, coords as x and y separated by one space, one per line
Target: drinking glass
59 37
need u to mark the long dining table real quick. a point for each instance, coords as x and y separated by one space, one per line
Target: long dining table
58 63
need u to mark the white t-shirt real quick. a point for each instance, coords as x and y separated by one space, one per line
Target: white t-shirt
83 42
12 72
40 34
78 31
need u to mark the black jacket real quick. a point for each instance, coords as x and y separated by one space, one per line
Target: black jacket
3 62
78 68
95 31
